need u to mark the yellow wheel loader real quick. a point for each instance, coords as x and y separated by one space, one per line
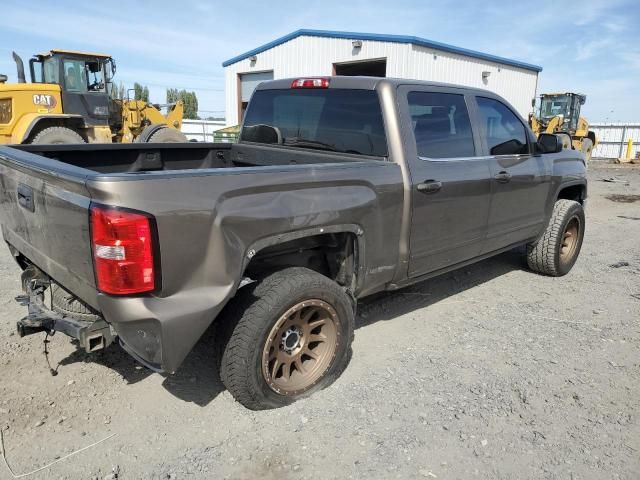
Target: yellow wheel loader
559 113
68 101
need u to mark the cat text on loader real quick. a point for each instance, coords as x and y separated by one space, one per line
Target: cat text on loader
68 101
559 113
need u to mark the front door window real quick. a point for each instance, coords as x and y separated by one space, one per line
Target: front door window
75 76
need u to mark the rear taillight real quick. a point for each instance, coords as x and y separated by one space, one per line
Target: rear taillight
310 83
123 250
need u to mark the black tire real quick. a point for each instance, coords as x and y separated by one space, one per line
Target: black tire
57 136
548 256
249 320
67 304
587 149
168 135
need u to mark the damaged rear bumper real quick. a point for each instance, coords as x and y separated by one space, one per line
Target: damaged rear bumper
157 332
92 336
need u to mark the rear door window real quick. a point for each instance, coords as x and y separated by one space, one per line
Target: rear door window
503 131
441 125
341 120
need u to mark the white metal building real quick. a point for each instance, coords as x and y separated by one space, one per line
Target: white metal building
320 52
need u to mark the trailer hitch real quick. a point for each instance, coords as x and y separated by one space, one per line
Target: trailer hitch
92 336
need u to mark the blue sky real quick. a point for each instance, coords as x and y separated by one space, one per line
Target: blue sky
592 46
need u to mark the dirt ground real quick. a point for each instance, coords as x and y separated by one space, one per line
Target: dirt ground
487 372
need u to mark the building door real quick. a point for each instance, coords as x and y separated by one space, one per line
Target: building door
247 83
366 68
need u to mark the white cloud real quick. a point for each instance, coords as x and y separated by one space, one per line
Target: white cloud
589 49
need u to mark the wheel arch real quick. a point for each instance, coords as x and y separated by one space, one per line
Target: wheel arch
32 124
336 252
576 191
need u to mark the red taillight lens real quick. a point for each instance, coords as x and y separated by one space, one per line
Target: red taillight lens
123 249
310 83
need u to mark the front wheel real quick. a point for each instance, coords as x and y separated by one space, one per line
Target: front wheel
557 250
285 337
168 135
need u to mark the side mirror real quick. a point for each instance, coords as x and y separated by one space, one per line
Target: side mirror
549 143
3 78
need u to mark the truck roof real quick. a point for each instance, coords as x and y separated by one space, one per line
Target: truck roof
366 83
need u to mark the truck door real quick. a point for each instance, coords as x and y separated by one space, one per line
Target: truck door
450 179
520 181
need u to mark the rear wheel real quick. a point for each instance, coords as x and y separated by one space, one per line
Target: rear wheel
285 337
168 135
557 250
57 136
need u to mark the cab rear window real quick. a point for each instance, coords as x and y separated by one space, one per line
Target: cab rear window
340 120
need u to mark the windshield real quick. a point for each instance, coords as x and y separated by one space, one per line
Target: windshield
558 105
341 120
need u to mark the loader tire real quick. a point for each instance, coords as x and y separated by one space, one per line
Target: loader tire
69 305
168 135
285 337
57 136
587 148
556 252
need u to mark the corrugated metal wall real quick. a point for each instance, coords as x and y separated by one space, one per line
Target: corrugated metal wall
306 56
613 137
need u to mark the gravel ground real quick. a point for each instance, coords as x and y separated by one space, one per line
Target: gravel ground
488 372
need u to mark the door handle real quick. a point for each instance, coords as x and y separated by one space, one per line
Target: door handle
25 197
503 177
429 186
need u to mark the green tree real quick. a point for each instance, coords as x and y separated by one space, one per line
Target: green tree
189 99
118 92
172 95
140 92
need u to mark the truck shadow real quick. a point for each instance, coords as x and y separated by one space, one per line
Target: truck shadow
389 305
197 381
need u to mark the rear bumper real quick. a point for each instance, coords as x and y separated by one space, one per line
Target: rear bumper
160 332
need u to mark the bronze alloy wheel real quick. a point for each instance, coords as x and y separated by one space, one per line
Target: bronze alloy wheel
570 238
300 347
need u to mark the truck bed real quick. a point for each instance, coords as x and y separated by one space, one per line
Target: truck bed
145 157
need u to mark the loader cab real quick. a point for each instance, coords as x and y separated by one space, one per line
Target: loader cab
84 79
565 104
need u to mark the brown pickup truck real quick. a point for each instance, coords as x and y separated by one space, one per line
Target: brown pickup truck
339 188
